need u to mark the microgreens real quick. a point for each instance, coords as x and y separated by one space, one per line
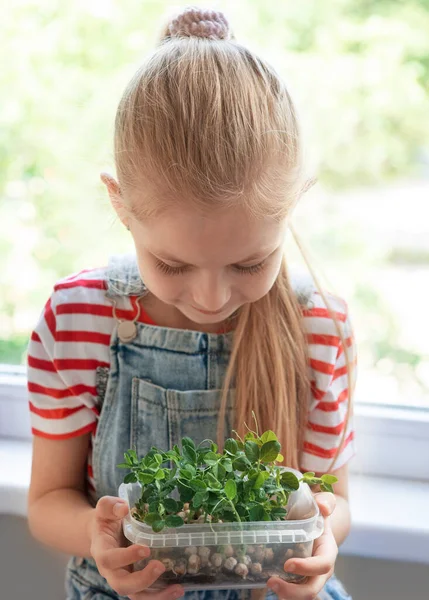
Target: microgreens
242 483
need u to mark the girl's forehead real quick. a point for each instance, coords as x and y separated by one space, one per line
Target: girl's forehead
225 236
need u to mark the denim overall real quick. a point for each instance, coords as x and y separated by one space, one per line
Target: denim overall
162 385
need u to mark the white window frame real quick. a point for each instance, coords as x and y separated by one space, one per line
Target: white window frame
392 447
390 441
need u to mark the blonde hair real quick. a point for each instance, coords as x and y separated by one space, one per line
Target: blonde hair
206 119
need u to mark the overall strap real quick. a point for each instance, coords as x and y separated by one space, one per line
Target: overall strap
123 277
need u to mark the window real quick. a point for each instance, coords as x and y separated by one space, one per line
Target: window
364 114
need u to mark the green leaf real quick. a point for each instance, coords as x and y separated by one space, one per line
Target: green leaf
146 494
167 487
160 474
187 441
219 506
201 452
289 481
130 478
213 447
256 513
123 466
260 495
313 480
221 472
251 450
230 489
171 454
280 458
158 526
226 463
158 459
279 512
270 450
128 459
260 479
231 446
241 464
186 493
211 458
268 436
190 454
197 484
327 487
133 455
187 472
329 479
171 505
152 517
199 499
227 516
309 474
213 482
174 521
145 478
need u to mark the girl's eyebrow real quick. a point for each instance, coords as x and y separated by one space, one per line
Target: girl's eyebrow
257 255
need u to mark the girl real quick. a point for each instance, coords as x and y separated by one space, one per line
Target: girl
201 326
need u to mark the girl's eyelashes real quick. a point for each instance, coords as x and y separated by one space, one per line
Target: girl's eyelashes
169 270
252 270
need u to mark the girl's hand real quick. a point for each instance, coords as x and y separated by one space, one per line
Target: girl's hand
318 568
113 560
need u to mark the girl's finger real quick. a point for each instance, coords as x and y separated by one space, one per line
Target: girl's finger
326 502
297 591
126 583
122 557
326 545
172 592
111 508
314 565
325 554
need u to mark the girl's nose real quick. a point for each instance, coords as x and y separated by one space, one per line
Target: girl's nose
211 292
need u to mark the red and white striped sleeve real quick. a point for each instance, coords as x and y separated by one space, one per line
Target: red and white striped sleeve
330 387
61 369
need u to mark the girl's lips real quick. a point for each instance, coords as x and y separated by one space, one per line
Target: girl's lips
208 312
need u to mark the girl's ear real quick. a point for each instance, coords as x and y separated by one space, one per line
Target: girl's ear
115 196
111 184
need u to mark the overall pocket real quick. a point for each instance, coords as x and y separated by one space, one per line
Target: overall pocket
84 582
162 417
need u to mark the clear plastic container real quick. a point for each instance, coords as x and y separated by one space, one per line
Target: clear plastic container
243 555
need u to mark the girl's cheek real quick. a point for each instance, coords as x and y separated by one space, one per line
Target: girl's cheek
258 286
160 285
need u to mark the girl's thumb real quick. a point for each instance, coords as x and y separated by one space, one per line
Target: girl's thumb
111 508
326 502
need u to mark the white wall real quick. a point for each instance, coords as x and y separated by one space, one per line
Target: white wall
28 570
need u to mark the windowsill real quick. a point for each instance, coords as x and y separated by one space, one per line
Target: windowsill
390 517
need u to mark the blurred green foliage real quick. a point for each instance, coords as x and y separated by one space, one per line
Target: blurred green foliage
359 72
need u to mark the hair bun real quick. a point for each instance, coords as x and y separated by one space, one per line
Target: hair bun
201 23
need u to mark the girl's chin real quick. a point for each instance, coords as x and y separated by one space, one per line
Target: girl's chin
203 318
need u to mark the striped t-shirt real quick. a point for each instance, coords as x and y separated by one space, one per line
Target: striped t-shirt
72 339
